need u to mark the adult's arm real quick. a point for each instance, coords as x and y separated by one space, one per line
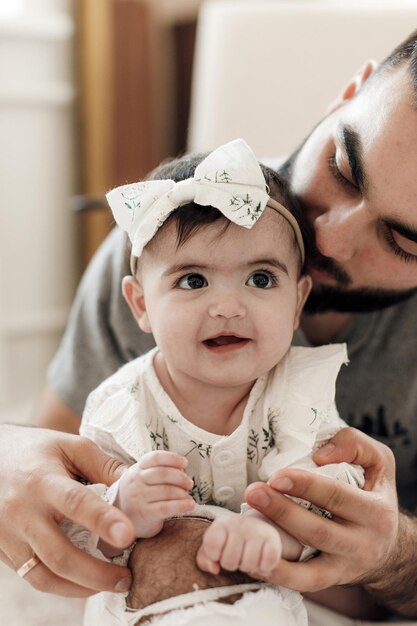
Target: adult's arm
37 489
368 541
51 412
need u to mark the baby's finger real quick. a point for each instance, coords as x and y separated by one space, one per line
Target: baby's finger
164 458
214 540
250 555
168 508
159 493
269 555
166 476
232 552
205 563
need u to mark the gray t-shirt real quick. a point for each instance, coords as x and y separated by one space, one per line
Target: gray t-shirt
376 393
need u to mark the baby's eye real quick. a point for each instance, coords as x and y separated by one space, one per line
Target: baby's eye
261 280
192 281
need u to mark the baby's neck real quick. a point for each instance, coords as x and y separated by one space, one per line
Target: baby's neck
215 409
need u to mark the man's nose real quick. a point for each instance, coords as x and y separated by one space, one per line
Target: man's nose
340 231
227 305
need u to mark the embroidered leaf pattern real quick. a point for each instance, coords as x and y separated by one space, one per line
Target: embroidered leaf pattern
134 388
245 203
165 442
158 438
201 492
256 212
315 413
252 451
247 200
204 450
269 433
223 177
131 201
220 176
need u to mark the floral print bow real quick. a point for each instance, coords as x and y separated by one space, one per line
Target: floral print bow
229 179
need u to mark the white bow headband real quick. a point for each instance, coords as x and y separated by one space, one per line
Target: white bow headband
229 179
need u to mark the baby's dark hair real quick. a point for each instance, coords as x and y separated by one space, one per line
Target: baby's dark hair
190 217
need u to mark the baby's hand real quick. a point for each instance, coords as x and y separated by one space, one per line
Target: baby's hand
239 542
155 489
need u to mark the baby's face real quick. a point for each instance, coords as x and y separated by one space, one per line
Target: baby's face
224 305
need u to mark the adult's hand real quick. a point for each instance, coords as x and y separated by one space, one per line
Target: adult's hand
368 541
37 489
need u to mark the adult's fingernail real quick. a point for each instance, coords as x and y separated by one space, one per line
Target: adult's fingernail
281 483
119 534
123 585
259 498
325 450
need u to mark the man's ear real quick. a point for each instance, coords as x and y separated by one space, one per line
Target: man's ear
303 289
353 85
134 296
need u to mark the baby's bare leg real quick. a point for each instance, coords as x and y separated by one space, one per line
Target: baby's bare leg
165 565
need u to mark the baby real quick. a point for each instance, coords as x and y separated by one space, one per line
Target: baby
218 258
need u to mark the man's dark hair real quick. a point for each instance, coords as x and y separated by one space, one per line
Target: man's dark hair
190 217
405 51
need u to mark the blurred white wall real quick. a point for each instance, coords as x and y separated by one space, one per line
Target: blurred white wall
266 70
37 166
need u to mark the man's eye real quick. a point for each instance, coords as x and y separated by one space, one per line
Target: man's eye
261 280
192 281
407 255
337 174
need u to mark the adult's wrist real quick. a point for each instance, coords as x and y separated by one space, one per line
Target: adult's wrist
394 585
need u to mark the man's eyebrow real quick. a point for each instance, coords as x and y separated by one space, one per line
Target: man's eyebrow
353 146
409 232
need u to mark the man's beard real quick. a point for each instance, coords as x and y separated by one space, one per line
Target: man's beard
339 297
325 298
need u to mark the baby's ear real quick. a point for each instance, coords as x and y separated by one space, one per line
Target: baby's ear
303 289
134 296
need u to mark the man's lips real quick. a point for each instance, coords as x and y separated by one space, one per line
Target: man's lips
321 276
225 343
326 270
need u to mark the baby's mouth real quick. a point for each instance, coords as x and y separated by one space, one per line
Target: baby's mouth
225 341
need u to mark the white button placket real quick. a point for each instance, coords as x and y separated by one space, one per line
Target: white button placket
228 463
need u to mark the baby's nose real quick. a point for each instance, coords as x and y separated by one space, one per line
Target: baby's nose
227 306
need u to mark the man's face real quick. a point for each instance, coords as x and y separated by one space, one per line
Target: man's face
356 177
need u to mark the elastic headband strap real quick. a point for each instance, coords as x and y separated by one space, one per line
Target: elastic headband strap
279 208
